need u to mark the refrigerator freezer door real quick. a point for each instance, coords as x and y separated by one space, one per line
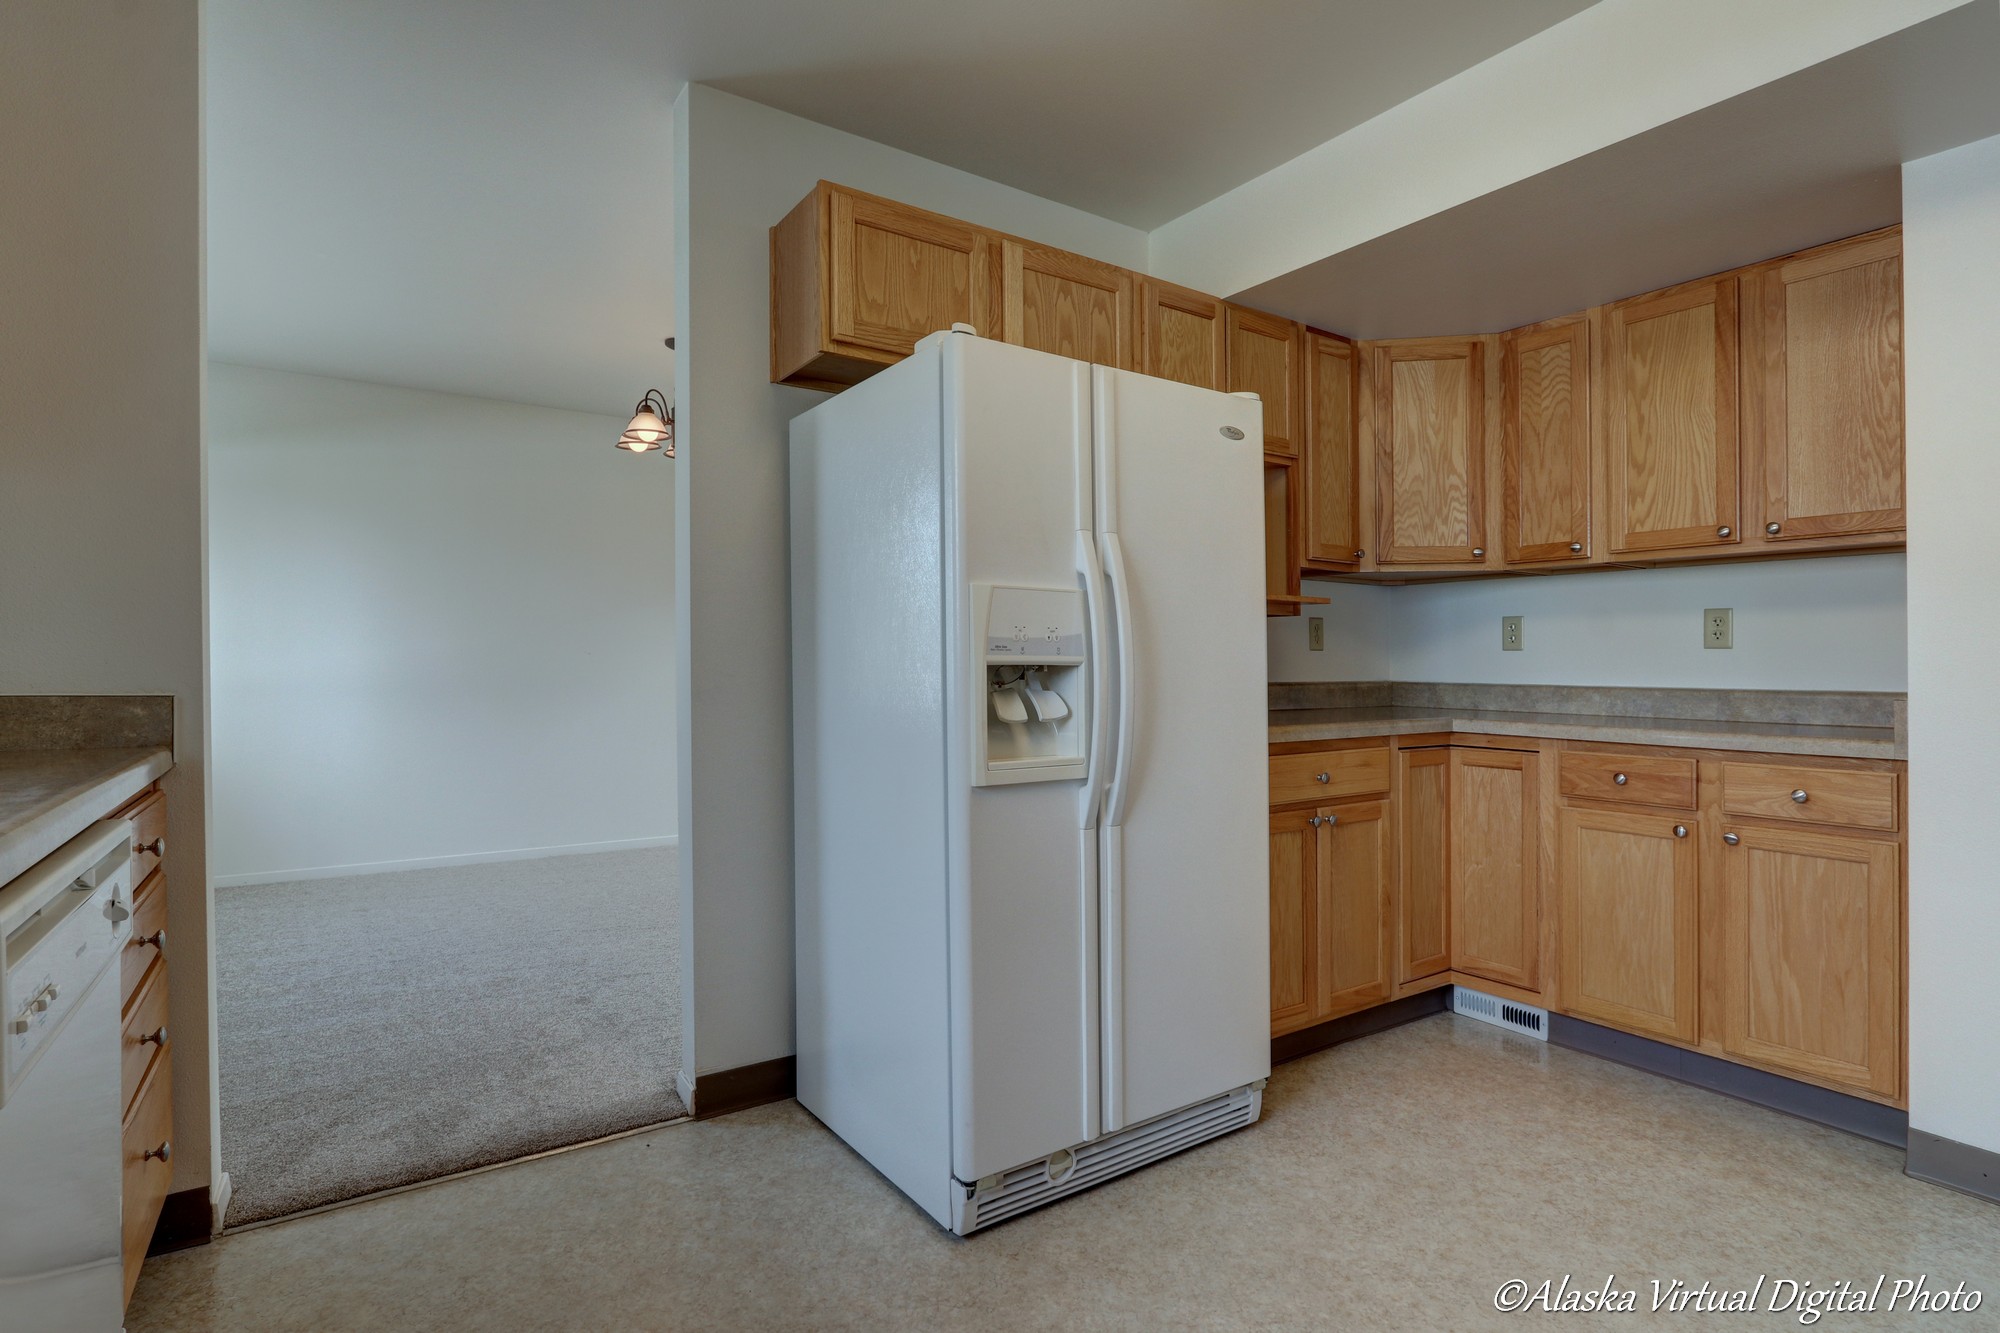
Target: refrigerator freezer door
1022 902
1185 934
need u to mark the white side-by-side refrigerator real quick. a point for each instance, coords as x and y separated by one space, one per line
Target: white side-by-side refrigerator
1028 674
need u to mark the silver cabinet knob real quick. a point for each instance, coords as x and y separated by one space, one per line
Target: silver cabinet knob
1731 839
158 847
1315 821
1322 777
1680 830
1331 820
1773 528
1479 553
1725 531
165 1152
1799 797
1358 553
1575 547
158 939
1618 779
157 1037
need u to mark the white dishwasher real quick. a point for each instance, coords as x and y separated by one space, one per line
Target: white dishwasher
62 926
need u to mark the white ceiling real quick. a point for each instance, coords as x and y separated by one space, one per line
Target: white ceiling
475 195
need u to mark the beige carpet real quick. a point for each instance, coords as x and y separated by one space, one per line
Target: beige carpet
381 1029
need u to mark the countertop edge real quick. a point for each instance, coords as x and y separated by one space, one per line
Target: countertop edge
72 810
1749 741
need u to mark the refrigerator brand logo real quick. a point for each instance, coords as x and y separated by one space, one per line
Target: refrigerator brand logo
1231 433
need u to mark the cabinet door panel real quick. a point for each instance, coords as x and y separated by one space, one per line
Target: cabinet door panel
1671 419
1054 301
1354 922
1332 464
1495 909
1545 443
1631 921
900 274
1813 956
1281 536
1264 356
1827 387
1181 335
1424 814
1430 414
1294 920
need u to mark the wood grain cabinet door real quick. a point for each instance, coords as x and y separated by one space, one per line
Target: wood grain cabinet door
1331 460
1423 800
1813 956
900 273
1545 443
1670 367
1294 919
1824 389
1495 885
1054 301
1354 904
1430 455
1630 920
1264 356
1180 334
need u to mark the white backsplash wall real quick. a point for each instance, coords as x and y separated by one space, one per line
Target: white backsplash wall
1834 623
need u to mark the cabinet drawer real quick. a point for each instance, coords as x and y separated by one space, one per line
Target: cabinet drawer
1328 775
149 935
149 1128
1631 778
1810 795
145 1017
149 833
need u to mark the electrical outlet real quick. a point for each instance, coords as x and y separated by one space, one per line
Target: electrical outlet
1510 634
1718 628
1316 633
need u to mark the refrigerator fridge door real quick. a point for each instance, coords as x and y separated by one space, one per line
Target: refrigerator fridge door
1022 904
1185 941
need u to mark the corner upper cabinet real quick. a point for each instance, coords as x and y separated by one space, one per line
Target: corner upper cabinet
856 280
1545 442
1823 390
1181 334
1430 450
1055 301
1332 538
1670 370
1264 355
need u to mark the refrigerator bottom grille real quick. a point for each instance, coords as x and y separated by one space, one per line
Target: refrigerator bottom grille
1033 1184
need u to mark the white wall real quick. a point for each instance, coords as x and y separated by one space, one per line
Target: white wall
100 419
1825 624
1951 289
442 629
739 168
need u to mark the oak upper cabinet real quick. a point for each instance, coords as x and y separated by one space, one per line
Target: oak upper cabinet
1545 442
1332 538
1281 537
1823 390
856 280
1423 799
1181 334
1355 902
1670 372
1429 415
1294 918
1265 355
1631 899
1054 301
1494 864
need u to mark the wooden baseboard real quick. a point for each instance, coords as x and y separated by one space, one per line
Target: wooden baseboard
746 1086
1364 1023
187 1219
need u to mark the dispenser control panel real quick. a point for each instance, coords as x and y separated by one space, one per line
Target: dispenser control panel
1031 698
1034 625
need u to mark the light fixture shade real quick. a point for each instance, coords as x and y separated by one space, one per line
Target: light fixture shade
651 427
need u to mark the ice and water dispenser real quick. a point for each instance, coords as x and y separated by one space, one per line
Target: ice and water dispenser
1033 702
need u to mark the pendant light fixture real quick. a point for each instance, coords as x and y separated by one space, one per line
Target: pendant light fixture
652 426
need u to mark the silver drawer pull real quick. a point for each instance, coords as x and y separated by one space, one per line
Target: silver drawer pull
1799 797
1575 547
158 847
157 1037
165 1152
158 939
1725 531
1618 779
1731 839
1322 777
1479 553
1774 528
1680 830
1315 821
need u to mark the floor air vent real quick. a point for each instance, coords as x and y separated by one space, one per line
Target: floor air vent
1522 1018
1011 1193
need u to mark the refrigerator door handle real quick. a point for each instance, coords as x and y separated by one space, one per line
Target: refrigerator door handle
1099 739
1120 585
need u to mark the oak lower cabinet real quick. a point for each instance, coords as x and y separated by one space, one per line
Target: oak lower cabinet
1294 919
1494 866
1813 955
1057 302
1331 921
1423 799
145 1043
1630 907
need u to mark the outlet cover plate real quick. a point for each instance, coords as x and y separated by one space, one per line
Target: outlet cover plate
1718 627
1316 633
1511 634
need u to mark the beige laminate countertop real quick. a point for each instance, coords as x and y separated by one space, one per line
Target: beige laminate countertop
1330 724
48 797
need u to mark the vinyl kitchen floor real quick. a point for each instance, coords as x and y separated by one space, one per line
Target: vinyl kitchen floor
1394 1183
